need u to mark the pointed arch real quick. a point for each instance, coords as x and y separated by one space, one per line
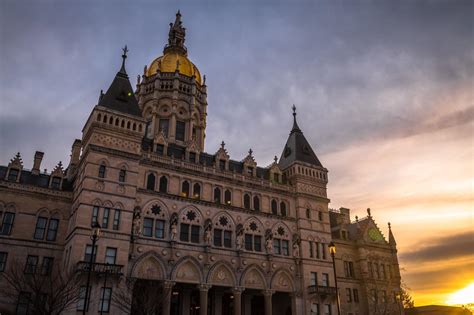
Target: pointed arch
222 274
187 269
253 277
149 266
163 212
282 281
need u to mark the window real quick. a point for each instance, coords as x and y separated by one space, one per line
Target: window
228 239
325 280
222 165
227 197
327 309
283 209
47 266
308 213
274 207
217 195
355 293
320 215
280 247
122 174
256 203
105 218
185 189
188 230
163 184
160 149
349 269
323 250
218 237
348 295
13 174
180 130
160 229
7 223
377 270
276 177
317 250
95 216
31 264
52 230
253 242
116 224
105 296
56 182
164 126
371 269
88 254
102 171
192 157
81 303
246 201
110 255
150 182
314 278
249 171
148 227
197 191
276 246
3 261
311 250
40 228
222 238
314 309
23 304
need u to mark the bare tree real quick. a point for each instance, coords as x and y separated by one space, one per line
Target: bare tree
44 291
405 296
142 297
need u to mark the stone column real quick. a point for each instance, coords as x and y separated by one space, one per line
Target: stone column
237 292
203 290
167 289
268 301
172 127
217 307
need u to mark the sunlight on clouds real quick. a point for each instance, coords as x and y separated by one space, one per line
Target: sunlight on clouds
463 296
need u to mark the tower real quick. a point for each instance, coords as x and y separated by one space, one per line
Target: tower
173 97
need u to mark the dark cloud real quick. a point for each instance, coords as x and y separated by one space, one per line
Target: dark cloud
442 249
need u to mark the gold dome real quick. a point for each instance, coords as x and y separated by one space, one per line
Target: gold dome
167 63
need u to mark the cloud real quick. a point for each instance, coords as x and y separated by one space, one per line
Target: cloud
443 248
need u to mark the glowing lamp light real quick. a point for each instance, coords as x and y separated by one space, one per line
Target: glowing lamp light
332 248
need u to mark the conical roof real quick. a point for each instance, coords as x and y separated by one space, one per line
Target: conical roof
297 148
120 96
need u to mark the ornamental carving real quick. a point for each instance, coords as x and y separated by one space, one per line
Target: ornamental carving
149 269
188 273
115 143
222 276
312 190
253 279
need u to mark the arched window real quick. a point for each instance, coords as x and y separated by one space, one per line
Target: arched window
163 184
99 117
111 120
128 125
116 122
308 213
122 175
253 231
150 182
105 119
134 126
217 195
274 207
246 201
281 240
197 191
227 197
102 170
222 233
256 203
185 189
283 209
122 123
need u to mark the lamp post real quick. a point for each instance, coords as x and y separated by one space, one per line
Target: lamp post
94 237
332 250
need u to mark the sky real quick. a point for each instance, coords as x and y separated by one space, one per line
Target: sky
383 90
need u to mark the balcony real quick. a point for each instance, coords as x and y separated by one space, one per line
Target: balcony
100 268
321 290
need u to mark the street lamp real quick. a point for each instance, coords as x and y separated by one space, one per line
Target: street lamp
332 251
94 237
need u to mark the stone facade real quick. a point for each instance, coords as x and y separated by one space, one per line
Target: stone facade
219 236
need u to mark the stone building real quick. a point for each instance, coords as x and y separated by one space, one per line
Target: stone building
213 234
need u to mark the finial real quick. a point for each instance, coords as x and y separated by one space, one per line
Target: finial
145 69
124 56
357 218
222 144
294 110
275 159
204 80
368 212
389 226
138 79
250 151
178 13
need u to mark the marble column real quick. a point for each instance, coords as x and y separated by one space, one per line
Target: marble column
237 292
203 290
267 294
167 289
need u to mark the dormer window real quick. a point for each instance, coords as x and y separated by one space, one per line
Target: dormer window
192 157
276 177
249 171
222 165
56 182
180 130
13 174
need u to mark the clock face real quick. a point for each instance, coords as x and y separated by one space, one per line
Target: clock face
375 235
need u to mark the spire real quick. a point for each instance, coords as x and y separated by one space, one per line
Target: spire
391 238
124 56
120 96
176 37
295 128
297 148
